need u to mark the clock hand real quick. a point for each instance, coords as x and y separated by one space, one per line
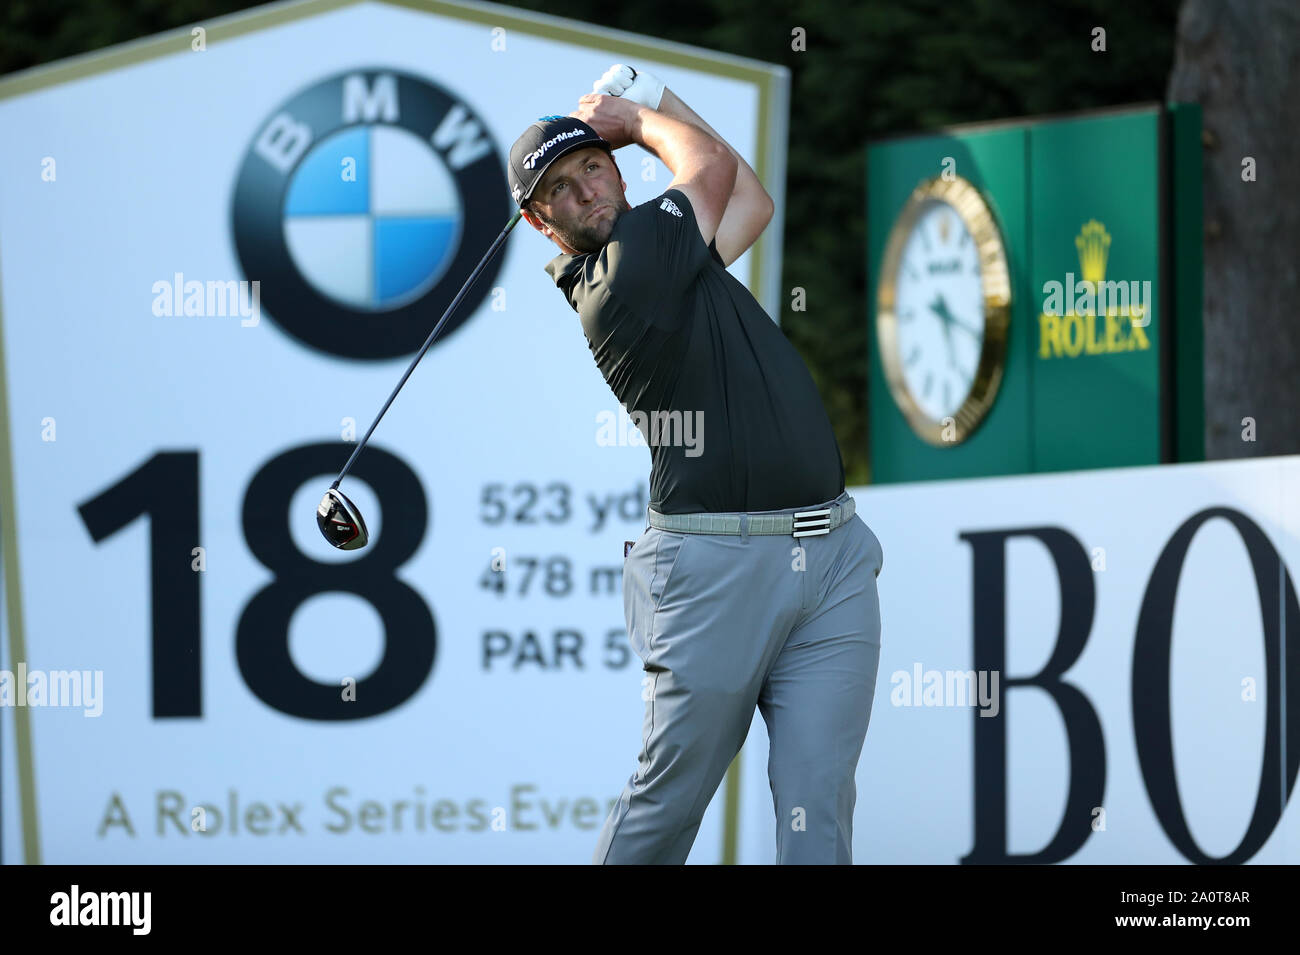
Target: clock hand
952 356
972 332
940 308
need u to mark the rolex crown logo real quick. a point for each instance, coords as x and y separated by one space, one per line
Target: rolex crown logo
1093 242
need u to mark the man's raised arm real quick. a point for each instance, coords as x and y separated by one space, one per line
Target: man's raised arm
750 207
704 168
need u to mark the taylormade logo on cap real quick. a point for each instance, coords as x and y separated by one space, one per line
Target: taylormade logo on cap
531 159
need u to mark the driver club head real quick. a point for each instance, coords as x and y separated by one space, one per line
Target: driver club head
341 522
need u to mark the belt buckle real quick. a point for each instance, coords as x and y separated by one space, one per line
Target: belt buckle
812 523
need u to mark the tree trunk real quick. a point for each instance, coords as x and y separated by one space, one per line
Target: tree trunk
1240 59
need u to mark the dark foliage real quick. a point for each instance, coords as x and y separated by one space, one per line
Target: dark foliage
869 70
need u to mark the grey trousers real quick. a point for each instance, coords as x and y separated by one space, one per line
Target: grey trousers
722 624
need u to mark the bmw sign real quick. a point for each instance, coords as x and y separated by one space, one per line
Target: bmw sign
362 205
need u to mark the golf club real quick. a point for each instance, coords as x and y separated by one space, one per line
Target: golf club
338 518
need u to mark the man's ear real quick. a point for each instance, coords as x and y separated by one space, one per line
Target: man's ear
535 222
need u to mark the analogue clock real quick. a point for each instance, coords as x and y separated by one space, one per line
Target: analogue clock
944 306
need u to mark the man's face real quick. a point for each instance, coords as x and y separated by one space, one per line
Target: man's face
578 200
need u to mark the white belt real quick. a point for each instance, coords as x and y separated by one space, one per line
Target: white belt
810 523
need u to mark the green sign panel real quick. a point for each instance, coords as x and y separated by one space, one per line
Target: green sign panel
1098 363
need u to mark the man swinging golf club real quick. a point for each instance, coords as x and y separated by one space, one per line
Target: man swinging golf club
754 583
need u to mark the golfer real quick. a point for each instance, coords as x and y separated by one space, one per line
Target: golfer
755 582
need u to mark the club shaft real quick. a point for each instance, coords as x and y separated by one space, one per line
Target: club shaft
496 244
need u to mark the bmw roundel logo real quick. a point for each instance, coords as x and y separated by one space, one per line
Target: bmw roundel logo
362 205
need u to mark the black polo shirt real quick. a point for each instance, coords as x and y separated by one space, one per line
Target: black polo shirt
727 406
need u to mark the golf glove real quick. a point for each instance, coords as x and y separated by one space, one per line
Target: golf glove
635 85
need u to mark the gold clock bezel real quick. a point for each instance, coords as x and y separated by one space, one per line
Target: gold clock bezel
995 280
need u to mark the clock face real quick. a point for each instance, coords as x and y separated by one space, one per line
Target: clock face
943 310
940 311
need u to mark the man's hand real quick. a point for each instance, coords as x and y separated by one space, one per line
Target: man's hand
612 117
635 85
